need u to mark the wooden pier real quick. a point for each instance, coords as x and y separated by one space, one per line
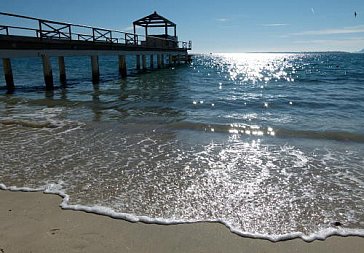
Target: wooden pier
47 38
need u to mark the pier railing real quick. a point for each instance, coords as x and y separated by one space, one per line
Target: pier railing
54 30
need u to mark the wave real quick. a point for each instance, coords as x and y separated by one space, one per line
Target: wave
106 211
29 123
327 135
255 130
46 118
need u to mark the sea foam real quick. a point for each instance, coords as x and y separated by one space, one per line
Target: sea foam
106 211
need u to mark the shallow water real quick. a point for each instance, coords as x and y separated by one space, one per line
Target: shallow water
272 145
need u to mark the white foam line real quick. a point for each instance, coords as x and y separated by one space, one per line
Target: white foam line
70 130
321 235
23 189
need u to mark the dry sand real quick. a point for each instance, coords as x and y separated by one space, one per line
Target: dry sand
34 222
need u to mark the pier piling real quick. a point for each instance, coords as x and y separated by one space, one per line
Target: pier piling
122 66
159 61
8 72
162 60
47 72
170 60
138 62
144 62
62 70
95 69
151 61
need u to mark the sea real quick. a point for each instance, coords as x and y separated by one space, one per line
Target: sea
269 144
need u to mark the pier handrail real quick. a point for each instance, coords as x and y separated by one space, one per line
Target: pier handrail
50 29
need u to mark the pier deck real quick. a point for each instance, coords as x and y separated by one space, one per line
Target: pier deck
48 38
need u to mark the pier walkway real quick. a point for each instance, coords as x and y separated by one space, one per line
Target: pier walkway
34 37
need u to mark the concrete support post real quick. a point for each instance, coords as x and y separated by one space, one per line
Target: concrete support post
159 61
151 61
138 62
47 72
62 70
122 66
178 59
95 69
8 73
144 62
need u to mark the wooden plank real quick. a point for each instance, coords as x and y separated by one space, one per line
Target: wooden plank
12 42
11 53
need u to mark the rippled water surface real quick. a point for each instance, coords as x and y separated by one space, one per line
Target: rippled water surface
272 145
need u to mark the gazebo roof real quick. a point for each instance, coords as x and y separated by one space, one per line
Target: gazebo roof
154 20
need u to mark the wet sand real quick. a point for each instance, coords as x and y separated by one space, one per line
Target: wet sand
34 222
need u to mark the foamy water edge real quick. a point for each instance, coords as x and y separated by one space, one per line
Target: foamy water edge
106 211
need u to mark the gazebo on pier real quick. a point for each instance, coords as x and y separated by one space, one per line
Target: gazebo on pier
157 40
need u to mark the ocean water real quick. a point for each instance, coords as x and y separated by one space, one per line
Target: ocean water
271 145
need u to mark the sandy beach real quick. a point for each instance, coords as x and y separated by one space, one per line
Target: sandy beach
34 222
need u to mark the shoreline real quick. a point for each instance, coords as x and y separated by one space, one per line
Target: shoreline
35 222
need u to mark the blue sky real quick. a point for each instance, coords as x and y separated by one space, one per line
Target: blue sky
222 26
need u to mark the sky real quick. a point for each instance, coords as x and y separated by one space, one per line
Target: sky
225 26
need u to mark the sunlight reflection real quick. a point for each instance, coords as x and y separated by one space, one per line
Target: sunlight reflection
256 68
241 129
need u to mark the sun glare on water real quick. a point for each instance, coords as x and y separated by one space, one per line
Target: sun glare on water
256 67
